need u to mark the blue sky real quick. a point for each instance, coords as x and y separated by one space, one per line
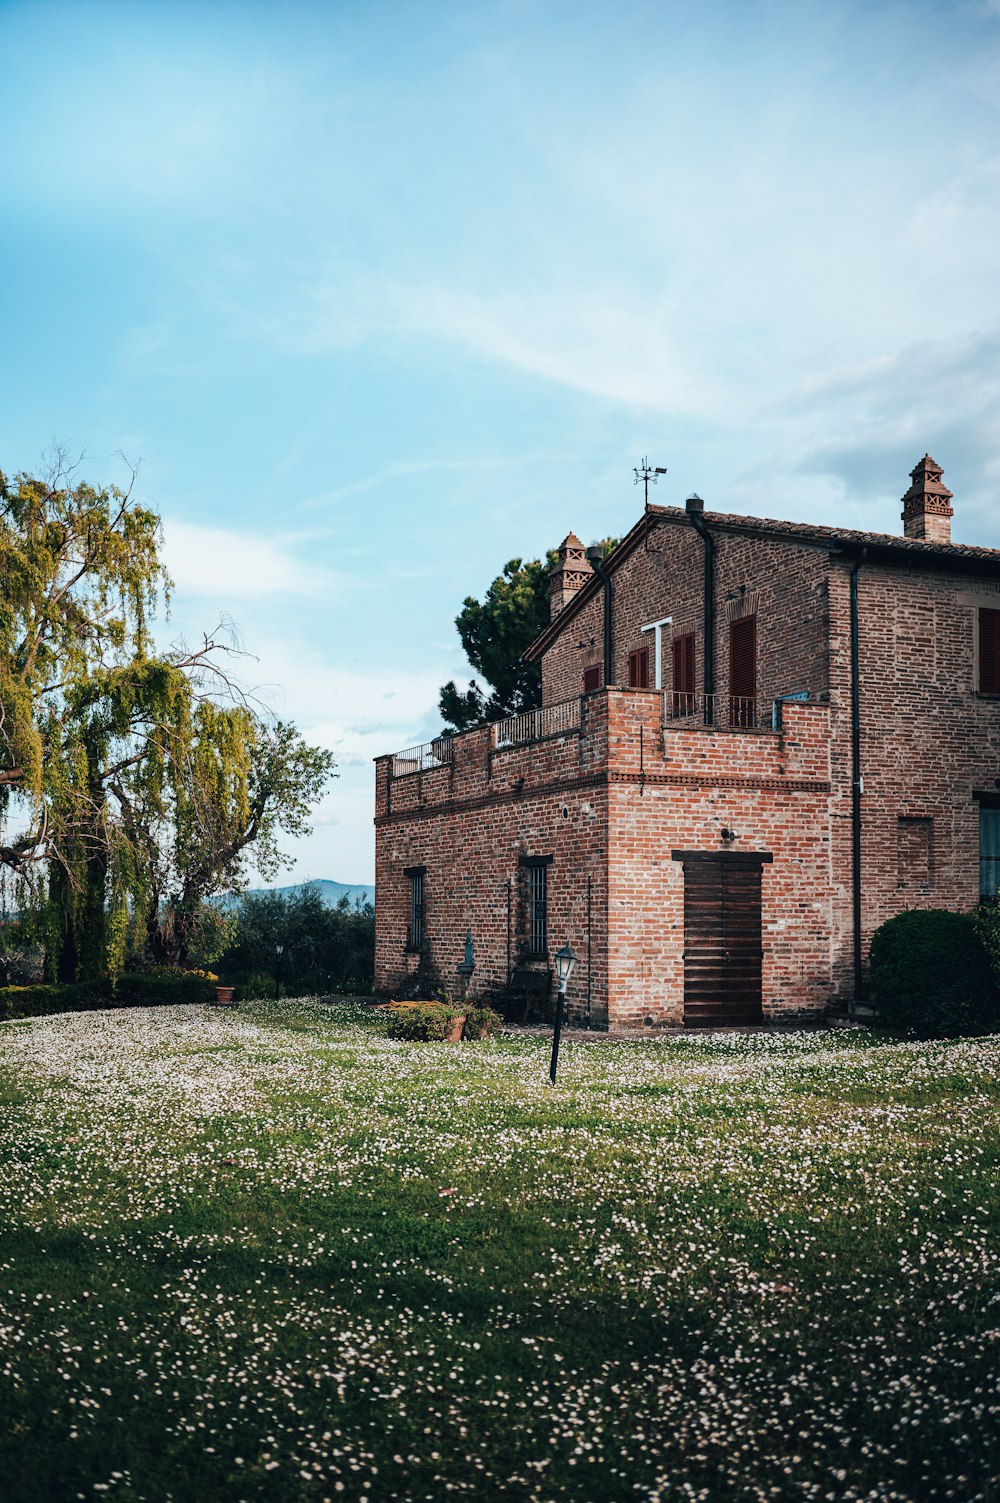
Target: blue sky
381 295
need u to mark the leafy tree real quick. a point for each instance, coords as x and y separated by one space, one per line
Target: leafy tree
324 949
233 785
144 780
495 633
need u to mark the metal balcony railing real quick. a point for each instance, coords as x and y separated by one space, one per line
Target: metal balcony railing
422 758
536 725
727 712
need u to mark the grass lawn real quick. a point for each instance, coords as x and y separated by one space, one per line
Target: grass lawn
271 1254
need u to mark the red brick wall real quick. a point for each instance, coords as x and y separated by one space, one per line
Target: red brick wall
468 825
773 791
928 739
663 790
665 577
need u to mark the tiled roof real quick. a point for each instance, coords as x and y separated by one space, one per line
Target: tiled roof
829 537
889 546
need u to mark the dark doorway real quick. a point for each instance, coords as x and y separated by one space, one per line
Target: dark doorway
722 938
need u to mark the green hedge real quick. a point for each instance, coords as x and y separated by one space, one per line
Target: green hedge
931 975
163 989
141 989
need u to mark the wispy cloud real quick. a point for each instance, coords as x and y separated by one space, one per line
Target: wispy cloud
231 566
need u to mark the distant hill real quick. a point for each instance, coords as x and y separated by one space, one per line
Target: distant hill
330 892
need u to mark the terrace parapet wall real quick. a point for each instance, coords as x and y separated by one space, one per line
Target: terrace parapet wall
481 772
620 739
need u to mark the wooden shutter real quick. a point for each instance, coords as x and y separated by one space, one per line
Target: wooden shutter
742 670
638 668
591 678
989 651
684 689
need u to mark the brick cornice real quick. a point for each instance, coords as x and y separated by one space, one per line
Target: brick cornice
488 800
700 780
601 780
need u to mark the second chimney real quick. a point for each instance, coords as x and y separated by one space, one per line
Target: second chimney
927 510
572 571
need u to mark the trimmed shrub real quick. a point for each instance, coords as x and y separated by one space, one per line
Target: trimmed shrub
931 975
482 1023
162 988
421 1021
40 1000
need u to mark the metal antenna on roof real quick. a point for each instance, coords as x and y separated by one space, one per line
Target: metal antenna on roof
645 472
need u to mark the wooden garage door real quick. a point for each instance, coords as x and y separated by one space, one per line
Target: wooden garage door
722 938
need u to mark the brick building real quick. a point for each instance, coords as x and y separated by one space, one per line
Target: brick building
758 740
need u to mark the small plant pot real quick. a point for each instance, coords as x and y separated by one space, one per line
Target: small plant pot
224 996
453 1032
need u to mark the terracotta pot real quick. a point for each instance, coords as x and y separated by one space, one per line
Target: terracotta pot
453 1032
224 995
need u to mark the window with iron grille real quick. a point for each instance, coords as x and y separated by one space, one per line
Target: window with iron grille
638 668
989 651
415 928
592 678
537 871
684 690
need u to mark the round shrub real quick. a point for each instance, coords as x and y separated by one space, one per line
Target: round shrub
931 975
482 1023
420 1020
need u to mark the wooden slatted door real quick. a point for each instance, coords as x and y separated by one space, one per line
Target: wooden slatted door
722 938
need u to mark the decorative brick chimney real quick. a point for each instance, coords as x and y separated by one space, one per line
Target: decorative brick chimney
570 574
927 511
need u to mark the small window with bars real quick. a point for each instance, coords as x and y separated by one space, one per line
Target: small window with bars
537 873
683 685
638 668
591 678
415 927
989 651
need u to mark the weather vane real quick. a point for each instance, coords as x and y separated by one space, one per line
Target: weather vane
646 472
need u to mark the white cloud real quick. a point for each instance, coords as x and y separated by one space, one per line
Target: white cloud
230 566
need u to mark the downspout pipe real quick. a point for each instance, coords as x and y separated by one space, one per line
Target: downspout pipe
595 554
694 506
857 779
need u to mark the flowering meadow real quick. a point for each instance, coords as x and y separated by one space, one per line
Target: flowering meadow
271 1254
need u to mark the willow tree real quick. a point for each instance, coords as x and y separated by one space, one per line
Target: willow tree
142 781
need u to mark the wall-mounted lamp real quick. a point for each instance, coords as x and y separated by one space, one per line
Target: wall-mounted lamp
729 836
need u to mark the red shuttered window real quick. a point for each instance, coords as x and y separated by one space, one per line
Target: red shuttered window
742 670
989 651
684 690
592 678
638 668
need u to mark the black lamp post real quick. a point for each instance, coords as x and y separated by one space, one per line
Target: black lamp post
279 950
565 961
